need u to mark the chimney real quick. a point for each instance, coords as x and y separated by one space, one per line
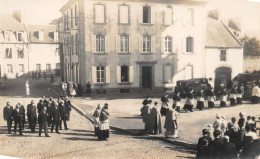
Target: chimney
18 15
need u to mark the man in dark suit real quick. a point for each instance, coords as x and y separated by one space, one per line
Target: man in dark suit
206 136
43 122
68 105
32 116
229 149
217 144
55 117
8 116
64 115
40 106
17 116
22 113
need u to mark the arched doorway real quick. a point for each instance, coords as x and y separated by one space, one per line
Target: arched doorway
223 75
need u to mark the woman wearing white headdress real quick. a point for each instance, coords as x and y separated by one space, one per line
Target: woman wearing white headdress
27 88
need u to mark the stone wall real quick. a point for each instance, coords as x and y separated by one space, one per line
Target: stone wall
251 63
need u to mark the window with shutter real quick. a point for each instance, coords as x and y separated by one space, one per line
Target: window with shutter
123 15
100 74
21 68
189 44
168 16
99 14
48 68
100 44
223 55
167 72
168 44
9 68
19 37
38 67
146 14
124 74
124 43
190 16
188 72
146 44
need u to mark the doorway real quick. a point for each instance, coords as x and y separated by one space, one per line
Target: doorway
147 80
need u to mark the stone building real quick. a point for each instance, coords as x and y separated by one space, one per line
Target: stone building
25 48
14 46
44 49
138 46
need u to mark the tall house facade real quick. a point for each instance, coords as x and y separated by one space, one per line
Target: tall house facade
140 46
14 47
44 49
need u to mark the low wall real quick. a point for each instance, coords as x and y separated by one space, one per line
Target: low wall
251 63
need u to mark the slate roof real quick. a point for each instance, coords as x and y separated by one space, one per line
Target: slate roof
47 33
218 35
7 22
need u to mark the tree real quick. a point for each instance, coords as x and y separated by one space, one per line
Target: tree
251 46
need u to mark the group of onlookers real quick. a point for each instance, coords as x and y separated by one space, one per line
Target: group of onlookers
152 113
68 88
47 112
229 140
37 74
101 122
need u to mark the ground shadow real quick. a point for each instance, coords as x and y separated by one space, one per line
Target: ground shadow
79 134
132 117
80 130
82 139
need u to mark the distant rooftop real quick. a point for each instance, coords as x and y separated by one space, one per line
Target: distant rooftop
218 35
7 22
48 33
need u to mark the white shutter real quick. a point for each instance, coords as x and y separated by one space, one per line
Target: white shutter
140 44
99 14
153 44
188 72
140 19
12 37
107 74
94 74
196 17
93 42
195 45
174 18
167 72
131 74
183 43
24 37
131 44
162 44
118 74
1 37
107 44
184 17
152 15
168 16
123 14
118 44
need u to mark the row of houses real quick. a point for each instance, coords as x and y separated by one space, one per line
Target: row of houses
139 46
25 48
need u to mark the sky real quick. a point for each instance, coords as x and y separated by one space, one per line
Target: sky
34 11
44 11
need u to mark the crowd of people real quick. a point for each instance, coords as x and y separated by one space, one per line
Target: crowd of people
152 119
229 140
101 122
47 112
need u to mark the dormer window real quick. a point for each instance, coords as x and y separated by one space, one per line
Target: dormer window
55 36
19 37
7 35
40 35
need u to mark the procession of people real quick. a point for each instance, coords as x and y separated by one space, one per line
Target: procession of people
47 112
